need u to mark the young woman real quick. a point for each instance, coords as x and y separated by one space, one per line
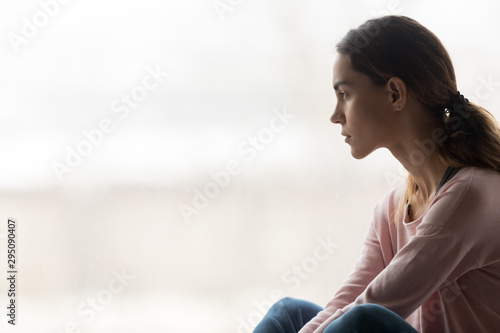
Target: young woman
431 258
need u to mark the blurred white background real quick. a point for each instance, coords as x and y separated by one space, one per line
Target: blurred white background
117 114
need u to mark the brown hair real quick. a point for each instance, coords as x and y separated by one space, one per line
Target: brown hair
399 46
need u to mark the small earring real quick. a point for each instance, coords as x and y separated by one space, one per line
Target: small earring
399 108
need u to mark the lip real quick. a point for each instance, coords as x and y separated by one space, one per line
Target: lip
347 137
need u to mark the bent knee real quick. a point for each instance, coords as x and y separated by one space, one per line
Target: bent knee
286 302
365 312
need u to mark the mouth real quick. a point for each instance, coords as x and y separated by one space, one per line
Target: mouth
347 137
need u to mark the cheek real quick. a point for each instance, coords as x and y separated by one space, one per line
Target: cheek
367 126
369 111
361 115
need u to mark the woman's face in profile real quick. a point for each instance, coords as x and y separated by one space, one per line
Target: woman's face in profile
363 109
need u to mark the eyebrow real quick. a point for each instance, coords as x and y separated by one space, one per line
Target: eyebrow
336 85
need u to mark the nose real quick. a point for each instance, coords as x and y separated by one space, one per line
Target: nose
338 116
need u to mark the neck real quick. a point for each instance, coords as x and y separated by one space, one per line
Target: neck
417 152
427 175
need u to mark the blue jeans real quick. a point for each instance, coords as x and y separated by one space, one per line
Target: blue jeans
289 315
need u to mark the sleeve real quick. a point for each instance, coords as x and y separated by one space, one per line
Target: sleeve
370 263
432 256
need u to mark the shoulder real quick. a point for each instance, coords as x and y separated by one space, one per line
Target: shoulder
469 211
472 181
481 191
472 194
482 177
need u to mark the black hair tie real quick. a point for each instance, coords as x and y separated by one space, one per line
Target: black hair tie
456 100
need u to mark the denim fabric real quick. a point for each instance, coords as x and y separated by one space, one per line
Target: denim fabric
289 315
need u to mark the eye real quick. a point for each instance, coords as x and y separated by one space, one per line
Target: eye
342 94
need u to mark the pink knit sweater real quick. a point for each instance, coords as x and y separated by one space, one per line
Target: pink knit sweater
440 272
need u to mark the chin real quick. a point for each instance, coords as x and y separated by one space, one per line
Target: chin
360 154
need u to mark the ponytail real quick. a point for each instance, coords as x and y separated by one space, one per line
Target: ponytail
473 138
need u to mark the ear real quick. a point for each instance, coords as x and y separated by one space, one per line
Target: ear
397 93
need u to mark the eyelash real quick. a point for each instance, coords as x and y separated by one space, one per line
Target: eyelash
342 94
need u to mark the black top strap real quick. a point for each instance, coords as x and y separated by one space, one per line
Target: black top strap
449 173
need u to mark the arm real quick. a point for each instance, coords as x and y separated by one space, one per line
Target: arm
438 252
420 268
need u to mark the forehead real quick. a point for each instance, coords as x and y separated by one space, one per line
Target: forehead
343 72
342 63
